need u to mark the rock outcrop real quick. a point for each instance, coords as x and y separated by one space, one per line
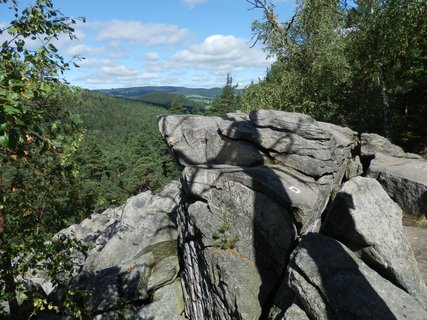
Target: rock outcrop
131 268
271 220
255 190
368 222
332 283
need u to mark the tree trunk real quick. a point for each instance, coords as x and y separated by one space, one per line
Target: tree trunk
386 105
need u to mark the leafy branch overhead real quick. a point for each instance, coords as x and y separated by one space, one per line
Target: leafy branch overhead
37 136
360 64
29 74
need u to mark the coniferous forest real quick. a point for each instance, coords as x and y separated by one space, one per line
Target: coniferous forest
67 152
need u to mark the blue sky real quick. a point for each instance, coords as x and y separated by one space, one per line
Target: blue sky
192 43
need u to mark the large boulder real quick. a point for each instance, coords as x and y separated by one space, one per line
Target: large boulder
332 283
313 156
372 143
248 222
303 197
405 180
195 140
132 254
229 224
293 139
366 220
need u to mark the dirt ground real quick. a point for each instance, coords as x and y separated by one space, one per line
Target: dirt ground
417 237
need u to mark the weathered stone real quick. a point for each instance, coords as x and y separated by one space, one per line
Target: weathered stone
283 301
405 181
332 283
143 222
417 237
238 283
295 140
103 288
279 141
167 303
252 185
301 196
264 231
299 123
354 168
344 137
195 140
132 251
294 312
372 143
366 220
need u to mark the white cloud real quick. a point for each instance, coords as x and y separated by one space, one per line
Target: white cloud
119 70
83 50
141 33
207 63
114 74
95 63
218 53
192 3
152 56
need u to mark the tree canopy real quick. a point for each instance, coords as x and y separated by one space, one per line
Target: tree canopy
361 64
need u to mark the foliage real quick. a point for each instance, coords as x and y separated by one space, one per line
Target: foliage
361 64
227 101
167 100
224 239
35 135
121 152
29 74
176 106
38 200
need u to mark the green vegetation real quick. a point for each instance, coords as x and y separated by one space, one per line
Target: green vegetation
227 101
166 100
36 135
121 152
60 159
361 64
224 239
134 92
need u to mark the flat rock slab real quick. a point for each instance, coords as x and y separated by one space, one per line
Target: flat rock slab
405 181
417 237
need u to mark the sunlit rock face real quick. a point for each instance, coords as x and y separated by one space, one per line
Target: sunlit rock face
253 214
272 219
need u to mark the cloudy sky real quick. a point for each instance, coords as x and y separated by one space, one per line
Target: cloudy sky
192 43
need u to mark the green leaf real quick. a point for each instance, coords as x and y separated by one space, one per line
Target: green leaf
46 87
4 140
11 110
12 30
52 47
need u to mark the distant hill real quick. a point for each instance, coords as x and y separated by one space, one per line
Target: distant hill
134 92
164 100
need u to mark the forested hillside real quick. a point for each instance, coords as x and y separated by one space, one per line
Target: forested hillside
141 91
120 152
166 99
